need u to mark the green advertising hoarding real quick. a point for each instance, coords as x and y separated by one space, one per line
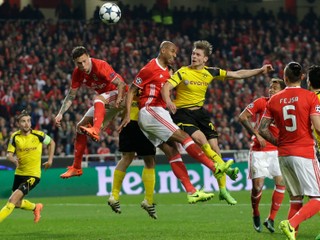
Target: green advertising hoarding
97 181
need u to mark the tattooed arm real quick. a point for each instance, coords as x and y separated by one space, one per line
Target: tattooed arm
264 131
65 105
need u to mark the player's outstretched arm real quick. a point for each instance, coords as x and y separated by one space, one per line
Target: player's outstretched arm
246 73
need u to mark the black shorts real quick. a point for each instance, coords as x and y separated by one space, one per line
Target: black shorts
132 139
24 183
193 120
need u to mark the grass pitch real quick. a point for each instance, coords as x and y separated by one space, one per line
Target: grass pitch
90 218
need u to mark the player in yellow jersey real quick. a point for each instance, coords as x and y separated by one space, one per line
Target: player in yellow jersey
313 80
24 151
132 141
191 84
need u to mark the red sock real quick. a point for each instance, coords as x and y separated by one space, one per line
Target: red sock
180 171
255 200
99 112
79 148
277 198
195 152
295 206
307 211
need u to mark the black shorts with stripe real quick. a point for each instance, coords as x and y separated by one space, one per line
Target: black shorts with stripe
193 120
132 139
24 183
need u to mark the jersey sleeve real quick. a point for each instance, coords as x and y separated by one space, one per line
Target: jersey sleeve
76 79
11 144
176 78
142 78
217 73
109 72
315 109
267 112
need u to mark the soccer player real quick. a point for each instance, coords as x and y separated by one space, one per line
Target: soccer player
132 141
263 160
98 75
24 151
156 122
191 84
294 111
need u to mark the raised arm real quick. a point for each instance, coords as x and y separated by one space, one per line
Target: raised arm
246 73
65 105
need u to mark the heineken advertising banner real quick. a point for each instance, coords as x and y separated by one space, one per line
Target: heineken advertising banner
97 181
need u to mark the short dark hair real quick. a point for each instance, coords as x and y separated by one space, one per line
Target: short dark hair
280 81
293 71
314 76
78 52
203 45
23 113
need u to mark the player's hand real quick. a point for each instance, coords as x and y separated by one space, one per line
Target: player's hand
118 102
58 120
47 164
267 68
172 107
123 123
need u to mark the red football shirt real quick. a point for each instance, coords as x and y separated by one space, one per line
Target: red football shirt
99 79
291 110
256 109
150 80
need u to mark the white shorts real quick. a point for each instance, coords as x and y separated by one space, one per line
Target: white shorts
263 164
156 124
111 111
301 175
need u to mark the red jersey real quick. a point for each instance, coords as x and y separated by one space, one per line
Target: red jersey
99 79
291 110
150 80
256 109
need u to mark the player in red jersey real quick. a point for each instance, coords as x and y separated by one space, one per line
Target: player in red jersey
156 122
263 161
110 88
294 110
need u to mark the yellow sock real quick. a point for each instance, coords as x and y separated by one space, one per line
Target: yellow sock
6 211
211 154
27 205
222 182
117 182
149 181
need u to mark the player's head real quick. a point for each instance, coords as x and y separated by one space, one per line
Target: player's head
200 54
81 58
276 85
293 73
23 121
168 52
314 76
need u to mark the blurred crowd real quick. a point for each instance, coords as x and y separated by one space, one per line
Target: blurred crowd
36 64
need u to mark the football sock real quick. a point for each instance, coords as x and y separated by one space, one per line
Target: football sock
79 148
99 112
295 206
27 205
149 180
206 148
6 211
118 177
277 197
255 200
180 171
195 152
311 208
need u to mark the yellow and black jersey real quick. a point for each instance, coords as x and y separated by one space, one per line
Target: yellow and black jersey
191 84
28 150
